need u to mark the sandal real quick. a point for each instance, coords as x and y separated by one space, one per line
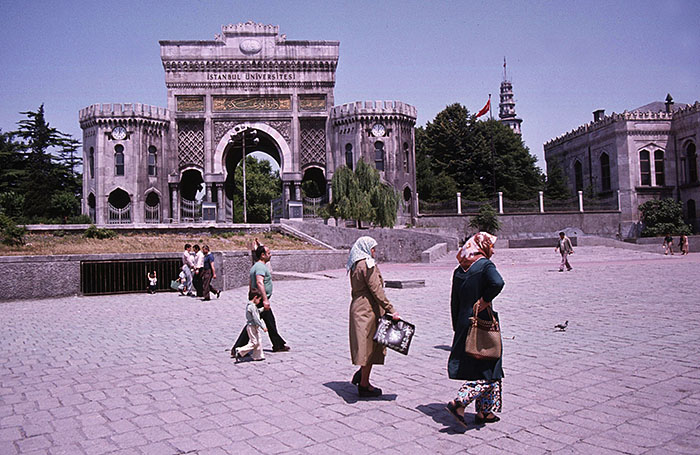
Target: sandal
452 409
479 420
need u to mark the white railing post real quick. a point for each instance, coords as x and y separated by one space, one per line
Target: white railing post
459 203
500 202
417 204
580 201
619 202
541 201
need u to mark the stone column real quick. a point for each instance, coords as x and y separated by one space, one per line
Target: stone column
500 202
580 201
220 204
541 201
297 190
459 203
174 204
417 204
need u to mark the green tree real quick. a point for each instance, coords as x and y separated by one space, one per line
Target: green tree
362 196
262 186
663 216
45 174
486 220
556 184
480 156
11 204
12 170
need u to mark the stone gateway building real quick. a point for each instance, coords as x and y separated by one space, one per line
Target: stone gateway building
648 153
248 90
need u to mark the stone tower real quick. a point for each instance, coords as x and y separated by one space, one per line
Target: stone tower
506 108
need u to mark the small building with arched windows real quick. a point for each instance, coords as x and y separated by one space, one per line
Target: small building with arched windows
248 90
647 153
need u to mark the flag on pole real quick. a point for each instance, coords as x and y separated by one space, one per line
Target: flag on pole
485 109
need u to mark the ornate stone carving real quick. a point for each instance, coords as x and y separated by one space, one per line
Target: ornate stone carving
190 144
221 127
312 103
250 46
251 103
190 103
313 143
283 127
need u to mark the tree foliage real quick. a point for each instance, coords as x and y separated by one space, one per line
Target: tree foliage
556 185
362 196
480 158
486 220
39 164
262 186
663 216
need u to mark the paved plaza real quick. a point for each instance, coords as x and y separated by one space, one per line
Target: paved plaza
142 374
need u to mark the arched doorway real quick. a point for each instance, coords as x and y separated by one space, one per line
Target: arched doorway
192 193
119 206
152 208
263 183
313 184
92 210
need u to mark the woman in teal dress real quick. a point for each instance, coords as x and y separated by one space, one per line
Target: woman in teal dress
474 280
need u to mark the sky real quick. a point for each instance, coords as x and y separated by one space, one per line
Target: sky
565 58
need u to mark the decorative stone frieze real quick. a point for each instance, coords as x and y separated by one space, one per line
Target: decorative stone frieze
190 144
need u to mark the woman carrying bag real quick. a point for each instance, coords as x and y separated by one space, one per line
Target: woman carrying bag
475 283
369 303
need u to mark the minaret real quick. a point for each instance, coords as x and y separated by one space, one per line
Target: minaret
506 108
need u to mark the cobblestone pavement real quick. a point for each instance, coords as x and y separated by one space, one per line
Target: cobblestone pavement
142 374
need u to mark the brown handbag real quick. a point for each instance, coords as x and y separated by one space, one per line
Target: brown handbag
484 337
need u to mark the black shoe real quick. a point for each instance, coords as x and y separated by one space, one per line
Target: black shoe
205 300
368 392
218 293
284 348
356 377
479 420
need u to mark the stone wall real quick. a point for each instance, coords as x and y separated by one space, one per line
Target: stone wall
395 245
38 277
529 225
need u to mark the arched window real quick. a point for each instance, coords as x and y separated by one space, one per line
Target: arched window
605 171
692 214
152 161
645 168
91 162
118 159
405 157
659 168
92 212
578 174
379 155
348 156
692 162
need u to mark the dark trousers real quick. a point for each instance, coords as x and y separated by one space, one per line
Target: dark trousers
206 284
197 282
269 318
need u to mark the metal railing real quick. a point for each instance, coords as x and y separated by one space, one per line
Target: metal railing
153 213
118 277
119 216
312 205
277 209
190 210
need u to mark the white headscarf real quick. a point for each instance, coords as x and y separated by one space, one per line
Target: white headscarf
362 249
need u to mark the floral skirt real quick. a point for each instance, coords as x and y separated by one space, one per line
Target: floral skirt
486 395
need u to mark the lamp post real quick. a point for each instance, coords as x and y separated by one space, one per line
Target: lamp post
241 130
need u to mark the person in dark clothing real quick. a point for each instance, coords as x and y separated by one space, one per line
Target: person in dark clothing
208 274
476 280
261 278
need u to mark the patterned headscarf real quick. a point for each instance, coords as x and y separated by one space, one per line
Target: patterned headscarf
362 249
478 245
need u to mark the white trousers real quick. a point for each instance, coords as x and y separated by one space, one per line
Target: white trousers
254 344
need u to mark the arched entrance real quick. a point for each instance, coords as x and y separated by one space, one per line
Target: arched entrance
191 194
313 184
152 207
262 180
92 208
119 206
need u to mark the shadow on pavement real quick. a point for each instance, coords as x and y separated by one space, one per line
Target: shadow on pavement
443 347
348 392
439 414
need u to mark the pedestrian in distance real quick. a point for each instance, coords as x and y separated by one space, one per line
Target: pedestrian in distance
683 244
369 303
198 265
565 249
261 278
208 274
188 268
152 282
668 244
475 283
253 327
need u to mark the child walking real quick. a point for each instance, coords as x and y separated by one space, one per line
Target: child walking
152 282
253 324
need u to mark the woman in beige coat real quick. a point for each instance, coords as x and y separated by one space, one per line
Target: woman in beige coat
368 304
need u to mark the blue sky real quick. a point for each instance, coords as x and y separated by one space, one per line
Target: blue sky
565 58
